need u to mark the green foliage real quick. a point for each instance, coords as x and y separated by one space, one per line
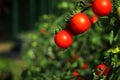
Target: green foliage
100 44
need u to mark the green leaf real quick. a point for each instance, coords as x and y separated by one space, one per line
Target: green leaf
75 64
114 50
117 36
111 37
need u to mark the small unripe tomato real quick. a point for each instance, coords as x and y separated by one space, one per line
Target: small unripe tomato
94 19
63 39
80 22
101 7
118 12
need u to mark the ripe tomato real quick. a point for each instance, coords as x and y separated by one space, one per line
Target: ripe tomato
94 19
84 66
106 71
69 28
101 67
80 22
63 39
102 7
76 56
75 73
43 31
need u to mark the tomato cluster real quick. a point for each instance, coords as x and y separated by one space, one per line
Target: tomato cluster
102 69
80 23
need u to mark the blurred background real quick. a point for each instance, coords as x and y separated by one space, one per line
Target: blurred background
27 48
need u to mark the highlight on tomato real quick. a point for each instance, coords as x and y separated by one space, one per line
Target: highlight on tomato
80 22
63 39
102 7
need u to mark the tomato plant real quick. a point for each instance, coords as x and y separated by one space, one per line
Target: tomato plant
102 7
80 22
63 39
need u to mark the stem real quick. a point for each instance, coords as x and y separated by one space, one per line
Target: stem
86 8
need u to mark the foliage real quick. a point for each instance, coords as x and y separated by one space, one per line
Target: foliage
100 44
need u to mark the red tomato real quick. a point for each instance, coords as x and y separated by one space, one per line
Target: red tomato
106 71
76 56
94 19
63 39
102 7
101 67
69 28
80 22
75 73
43 31
84 66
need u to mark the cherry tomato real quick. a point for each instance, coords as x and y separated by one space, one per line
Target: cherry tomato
101 67
80 22
101 7
94 19
63 39
69 28
106 71
76 56
75 73
43 31
84 66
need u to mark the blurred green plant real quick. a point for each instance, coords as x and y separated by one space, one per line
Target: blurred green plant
100 44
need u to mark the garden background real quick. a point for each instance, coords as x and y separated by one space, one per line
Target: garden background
28 50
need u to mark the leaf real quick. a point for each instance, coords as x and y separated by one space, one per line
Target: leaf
117 36
75 64
111 37
114 50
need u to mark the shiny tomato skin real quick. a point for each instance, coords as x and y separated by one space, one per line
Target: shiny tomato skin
63 39
80 22
101 7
